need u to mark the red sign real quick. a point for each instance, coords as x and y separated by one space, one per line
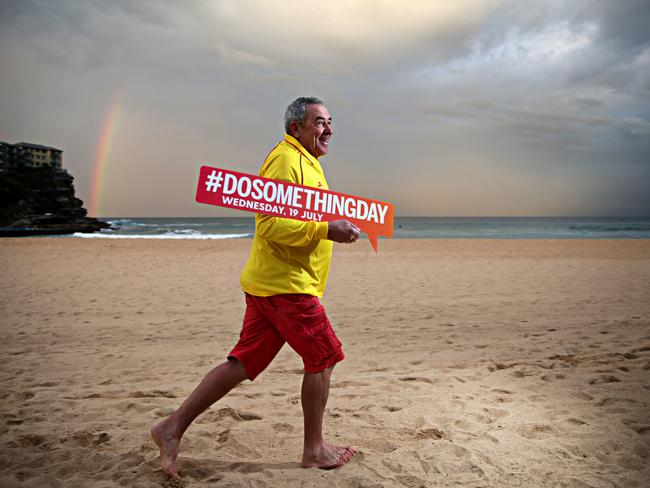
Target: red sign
241 191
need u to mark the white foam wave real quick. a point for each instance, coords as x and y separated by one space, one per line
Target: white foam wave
129 223
170 235
186 224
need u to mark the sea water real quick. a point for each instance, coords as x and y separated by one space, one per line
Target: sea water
404 228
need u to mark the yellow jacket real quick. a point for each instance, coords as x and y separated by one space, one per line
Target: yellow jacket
287 255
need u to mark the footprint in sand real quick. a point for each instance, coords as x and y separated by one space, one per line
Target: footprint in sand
283 427
223 436
253 395
490 415
504 392
552 377
416 378
607 401
534 431
395 467
411 481
152 394
30 440
583 396
86 438
194 469
23 475
164 412
503 396
490 438
26 395
523 372
430 434
344 384
235 414
576 421
603 379
642 429
380 370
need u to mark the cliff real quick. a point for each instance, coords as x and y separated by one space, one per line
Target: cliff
37 201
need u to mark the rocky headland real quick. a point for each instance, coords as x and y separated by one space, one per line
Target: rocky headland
42 201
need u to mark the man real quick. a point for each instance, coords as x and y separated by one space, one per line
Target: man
285 274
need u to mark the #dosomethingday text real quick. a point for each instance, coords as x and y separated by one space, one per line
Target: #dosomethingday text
252 193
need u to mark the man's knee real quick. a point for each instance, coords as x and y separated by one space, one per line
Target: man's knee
324 372
237 368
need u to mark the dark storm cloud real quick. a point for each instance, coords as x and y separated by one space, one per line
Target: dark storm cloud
624 25
535 97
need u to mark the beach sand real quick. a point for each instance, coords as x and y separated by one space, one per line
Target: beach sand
478 363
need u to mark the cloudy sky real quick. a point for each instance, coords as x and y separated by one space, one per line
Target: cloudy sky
444 108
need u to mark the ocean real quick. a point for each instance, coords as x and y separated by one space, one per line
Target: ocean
405 228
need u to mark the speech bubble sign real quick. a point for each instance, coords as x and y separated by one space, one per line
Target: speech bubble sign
252 193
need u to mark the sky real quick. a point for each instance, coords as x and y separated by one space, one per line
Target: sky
443 108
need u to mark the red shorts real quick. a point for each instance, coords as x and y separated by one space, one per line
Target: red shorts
298 319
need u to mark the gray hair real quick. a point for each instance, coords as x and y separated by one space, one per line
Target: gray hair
297 111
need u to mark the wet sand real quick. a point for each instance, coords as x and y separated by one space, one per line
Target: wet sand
488 363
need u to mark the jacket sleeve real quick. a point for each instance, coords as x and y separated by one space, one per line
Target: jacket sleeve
289 232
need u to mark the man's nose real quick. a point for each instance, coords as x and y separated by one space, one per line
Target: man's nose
328 128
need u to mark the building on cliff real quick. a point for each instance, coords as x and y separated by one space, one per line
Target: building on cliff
37 195
28 155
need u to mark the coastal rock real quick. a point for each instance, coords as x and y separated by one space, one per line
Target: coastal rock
42 201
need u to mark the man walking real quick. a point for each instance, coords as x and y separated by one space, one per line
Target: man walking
284 277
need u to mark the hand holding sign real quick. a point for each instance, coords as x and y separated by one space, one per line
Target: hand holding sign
242 191
343 231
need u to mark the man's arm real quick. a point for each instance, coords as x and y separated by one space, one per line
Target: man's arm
292 232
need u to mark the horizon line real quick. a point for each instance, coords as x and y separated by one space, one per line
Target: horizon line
405 217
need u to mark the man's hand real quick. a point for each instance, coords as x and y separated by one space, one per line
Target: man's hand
342 231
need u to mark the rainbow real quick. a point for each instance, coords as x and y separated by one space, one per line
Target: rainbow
103 153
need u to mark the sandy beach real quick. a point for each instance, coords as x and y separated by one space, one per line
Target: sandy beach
478 363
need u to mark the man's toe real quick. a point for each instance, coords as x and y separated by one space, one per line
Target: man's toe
343 459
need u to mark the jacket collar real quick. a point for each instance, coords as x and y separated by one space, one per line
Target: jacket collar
295 143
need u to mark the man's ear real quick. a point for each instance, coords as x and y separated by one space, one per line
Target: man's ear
293 127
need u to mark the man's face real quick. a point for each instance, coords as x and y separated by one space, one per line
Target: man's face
315 133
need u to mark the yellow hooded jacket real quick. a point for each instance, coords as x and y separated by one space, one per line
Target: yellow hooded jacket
287 255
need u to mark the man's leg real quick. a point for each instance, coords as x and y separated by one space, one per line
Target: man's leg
317 452
168 432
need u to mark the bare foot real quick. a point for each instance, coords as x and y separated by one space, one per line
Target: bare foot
328 456
168 446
